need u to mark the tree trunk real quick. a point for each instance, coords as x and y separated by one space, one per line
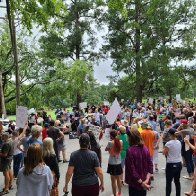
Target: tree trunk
2 100
14 50
137 51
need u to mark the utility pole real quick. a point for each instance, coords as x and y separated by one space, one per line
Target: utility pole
14 49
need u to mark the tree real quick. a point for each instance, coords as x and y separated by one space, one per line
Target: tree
142 37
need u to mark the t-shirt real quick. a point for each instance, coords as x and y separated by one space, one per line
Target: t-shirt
7 148
125 144
174 154
148 137
84 162
53 133
15 144
24 142
114 159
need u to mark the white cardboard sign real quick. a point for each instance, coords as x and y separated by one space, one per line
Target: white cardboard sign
83 105
21 116
106 103
178 98
113 112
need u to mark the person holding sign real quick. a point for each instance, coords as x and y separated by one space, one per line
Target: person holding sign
114 163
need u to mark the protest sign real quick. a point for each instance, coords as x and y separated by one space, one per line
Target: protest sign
106 103
95 130
21 116
83 105
178 98
107 133
31 111
150 100
113 112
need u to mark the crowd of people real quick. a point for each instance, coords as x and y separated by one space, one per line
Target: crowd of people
138 134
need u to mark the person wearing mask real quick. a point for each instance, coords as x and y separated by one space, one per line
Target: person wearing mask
114 147
85 167
172 150
138 165
35 178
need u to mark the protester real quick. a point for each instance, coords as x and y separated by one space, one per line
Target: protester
172 150
184 130
148 137
17 154
50 160
94 146
193 147
35 134
6 159
56 135
138 165
62 145
114 147
35 179
82 165
44 131
124 138
23 144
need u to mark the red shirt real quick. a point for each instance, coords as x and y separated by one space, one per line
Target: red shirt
44 133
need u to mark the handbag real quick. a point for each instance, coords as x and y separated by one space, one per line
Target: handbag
54 191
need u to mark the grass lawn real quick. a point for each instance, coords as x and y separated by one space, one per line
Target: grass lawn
50 112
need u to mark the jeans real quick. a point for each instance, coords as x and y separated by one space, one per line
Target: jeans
189 161
161 124
173 171
136 192
17 163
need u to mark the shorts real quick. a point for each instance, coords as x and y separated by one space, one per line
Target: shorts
155 156
90 190
61 147
5 164
115 170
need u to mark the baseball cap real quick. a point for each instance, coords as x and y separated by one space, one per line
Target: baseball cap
184 121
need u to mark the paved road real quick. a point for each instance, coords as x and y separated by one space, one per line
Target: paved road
158 184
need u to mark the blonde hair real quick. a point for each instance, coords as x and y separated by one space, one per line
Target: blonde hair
48 148
57 122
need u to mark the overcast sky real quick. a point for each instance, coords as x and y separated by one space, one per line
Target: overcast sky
101 71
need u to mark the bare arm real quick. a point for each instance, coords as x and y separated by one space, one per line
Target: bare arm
165 150
68 176
100 175
190 145
23 132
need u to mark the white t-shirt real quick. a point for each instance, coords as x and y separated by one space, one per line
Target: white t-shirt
15 143
174 154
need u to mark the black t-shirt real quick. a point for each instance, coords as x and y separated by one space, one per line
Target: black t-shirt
84 163
53 132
